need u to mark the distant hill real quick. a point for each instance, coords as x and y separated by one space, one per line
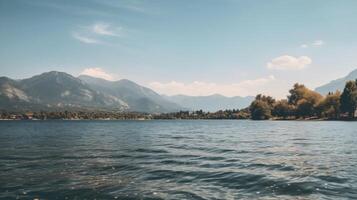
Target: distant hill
52 91
338 84
211 103
136 97
59 90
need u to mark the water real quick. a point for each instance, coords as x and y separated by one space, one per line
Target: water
178 160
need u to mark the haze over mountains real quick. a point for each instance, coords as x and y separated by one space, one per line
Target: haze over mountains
337 84
50 90
62 91
211 103
135 97
59 91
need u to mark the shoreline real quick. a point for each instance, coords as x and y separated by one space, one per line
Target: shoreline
201 119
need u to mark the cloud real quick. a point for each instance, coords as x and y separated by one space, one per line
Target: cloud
97 72
105 29
96 33
318 43
287 62
315 43
85 39
199 88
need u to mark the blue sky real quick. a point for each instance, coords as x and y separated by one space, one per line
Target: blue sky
194 47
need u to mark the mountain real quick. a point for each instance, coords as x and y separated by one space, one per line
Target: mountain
11 94
138 98
211 103
59 90
338 84
52 90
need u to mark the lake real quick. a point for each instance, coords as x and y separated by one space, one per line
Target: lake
187 159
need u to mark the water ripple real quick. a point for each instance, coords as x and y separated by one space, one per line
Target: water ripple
178 160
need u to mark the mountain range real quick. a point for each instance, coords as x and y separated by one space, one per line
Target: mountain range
337 84
61 91
135 97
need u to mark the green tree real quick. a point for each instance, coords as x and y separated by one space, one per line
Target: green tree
296 94
283 109
305 108
349 98
243 114
329 107
261 107
260 110
268 99
304 99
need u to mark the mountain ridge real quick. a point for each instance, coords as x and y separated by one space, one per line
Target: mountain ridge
337 84
132 93
56 90
59 90
52 90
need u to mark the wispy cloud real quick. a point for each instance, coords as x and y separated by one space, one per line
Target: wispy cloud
199 88
85 39
105 29
97 33
99 73
287 62
315 43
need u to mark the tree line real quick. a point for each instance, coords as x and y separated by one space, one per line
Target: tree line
303 103
73 115
200 114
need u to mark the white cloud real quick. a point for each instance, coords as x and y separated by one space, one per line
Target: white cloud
287 62
105 29
97 72
95 33
318 43
85 39
199 88
315 43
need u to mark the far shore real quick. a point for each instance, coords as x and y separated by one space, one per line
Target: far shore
178 119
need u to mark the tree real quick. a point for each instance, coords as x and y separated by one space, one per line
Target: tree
260 110
329 107
305 108
268 99
261 107
349 98
243 114
296 94
283 109
304 99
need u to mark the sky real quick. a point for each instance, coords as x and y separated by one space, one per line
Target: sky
192 47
